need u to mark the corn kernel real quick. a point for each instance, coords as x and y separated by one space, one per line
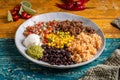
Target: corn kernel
60 39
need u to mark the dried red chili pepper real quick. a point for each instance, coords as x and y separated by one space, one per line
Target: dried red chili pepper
78 3
72 1
64 6
73 5
72 8
68 1
82 7
70 5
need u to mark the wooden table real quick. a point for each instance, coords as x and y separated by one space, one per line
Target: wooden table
102 12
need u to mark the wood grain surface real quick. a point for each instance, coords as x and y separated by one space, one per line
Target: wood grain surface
102 12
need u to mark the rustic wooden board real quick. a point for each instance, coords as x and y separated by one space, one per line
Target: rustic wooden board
13 66
102 12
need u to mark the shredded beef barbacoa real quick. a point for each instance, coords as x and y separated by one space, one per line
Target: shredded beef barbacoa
74 27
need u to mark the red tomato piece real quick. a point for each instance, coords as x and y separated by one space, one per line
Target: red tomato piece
28 16
16 17
17 8
24 14
13 12
46 31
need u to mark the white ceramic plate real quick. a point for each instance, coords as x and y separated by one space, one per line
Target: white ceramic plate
19 37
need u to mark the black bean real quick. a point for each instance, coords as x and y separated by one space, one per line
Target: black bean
56 56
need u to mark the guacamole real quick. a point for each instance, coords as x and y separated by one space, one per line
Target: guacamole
35 51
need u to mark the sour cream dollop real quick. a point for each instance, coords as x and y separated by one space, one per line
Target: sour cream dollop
32 39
